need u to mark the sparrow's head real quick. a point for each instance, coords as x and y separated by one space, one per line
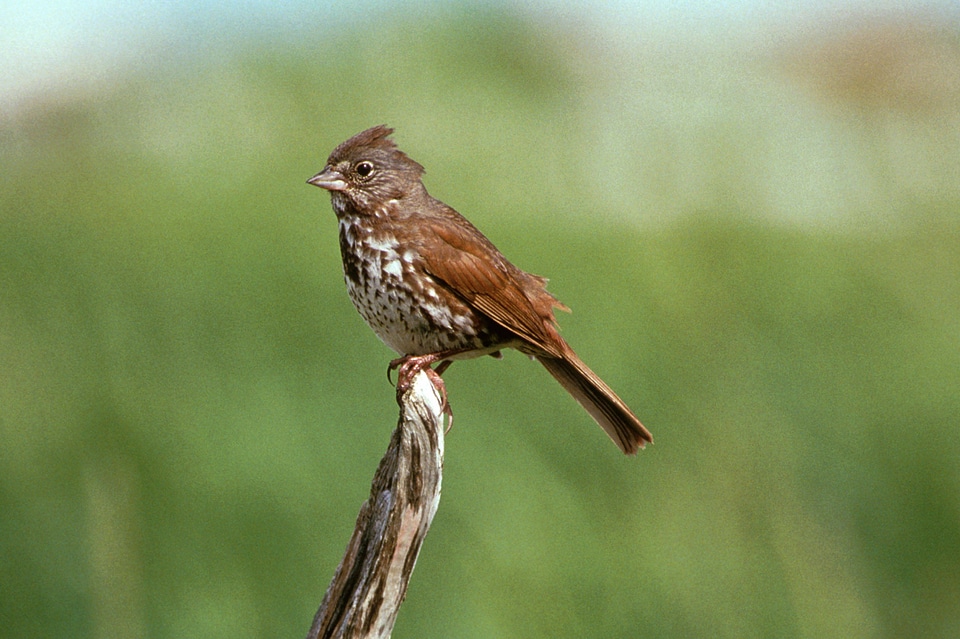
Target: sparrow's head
368 170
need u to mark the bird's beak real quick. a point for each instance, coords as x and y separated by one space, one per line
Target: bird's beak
329 179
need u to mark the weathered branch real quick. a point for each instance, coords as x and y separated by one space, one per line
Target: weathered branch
366 592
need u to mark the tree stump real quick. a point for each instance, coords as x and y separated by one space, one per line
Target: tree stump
365 595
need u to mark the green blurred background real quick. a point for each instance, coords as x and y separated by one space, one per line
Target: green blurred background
756 222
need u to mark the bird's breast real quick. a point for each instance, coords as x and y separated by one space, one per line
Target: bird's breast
405 306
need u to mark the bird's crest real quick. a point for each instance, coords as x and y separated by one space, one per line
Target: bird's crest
375 138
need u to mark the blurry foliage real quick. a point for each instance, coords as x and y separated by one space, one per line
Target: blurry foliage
191 411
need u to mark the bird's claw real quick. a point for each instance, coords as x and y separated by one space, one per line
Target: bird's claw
407 369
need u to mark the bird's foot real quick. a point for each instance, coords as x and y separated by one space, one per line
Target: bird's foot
407 368
410 365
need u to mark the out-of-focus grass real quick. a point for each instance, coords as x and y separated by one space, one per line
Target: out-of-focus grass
191 411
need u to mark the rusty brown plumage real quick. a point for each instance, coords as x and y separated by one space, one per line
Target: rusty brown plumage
435 289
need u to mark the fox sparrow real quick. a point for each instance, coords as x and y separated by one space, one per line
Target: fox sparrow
434 289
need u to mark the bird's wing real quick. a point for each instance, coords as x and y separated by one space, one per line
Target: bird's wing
474 269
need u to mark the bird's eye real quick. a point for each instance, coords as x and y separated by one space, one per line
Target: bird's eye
364 168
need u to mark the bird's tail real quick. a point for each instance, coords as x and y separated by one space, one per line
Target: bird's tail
620 424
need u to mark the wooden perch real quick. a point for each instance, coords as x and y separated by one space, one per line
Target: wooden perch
371 581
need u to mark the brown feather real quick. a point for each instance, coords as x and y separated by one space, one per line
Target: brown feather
599 400
463 263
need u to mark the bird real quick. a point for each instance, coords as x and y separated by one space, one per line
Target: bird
435 289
